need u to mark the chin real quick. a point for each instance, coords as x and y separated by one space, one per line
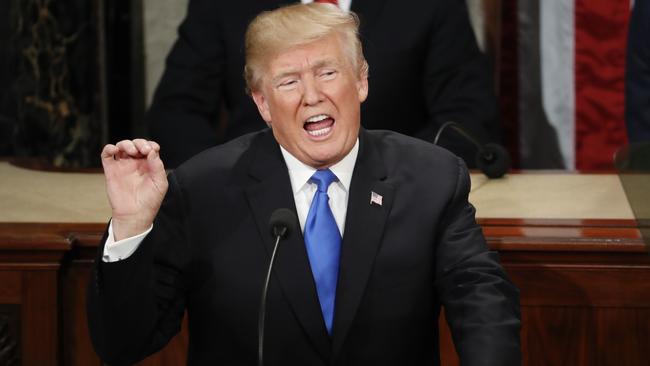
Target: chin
326 160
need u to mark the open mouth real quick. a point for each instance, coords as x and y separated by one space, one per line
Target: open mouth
319 125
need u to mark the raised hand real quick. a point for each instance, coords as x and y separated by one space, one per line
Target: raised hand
136 184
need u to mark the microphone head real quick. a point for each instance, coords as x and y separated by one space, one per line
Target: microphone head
493 160
282 222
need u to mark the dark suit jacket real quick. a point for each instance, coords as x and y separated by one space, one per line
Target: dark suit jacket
210 248
425 69
637 74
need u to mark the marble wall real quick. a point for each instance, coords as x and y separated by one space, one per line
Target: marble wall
52 103
10 344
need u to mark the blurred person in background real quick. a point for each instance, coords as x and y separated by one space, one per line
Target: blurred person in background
426 70
637 74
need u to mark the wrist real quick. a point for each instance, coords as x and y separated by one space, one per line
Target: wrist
124 228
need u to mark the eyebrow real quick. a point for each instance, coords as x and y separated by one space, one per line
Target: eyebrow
317 65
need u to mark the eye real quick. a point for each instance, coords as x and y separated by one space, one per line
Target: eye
328 74
287 84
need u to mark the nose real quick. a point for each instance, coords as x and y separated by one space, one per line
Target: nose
311 92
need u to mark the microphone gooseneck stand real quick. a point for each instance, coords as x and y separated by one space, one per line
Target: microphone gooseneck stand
262 314
492 159
283 221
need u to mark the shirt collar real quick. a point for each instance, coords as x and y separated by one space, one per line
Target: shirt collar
299 172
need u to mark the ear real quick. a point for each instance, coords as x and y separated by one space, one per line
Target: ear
262 106
362 87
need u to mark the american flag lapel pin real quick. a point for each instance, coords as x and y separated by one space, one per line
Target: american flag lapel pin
375 198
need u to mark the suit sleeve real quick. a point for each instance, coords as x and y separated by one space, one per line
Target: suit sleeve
637 75
458 83
135 306
481 304
187 102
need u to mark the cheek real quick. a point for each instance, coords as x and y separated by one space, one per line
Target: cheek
352 91
283 124
285 106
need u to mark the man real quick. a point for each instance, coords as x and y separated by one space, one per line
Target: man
362 284
637 75
425 65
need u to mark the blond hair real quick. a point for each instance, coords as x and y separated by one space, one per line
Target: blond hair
273 32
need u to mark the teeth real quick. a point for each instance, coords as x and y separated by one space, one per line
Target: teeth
317 118
321 132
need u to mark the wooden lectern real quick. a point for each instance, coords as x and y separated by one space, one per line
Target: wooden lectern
568 241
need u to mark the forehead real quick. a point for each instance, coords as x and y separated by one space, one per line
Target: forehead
326 51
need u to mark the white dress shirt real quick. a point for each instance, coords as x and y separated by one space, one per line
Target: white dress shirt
304 190
303 193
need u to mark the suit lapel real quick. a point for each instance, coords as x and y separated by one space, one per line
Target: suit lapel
363 232
272 190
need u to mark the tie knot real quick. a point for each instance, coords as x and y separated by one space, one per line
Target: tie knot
323 178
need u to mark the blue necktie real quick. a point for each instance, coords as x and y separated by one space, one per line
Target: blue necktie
323 242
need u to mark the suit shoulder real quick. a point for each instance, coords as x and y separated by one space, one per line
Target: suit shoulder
221 160
411 150
418 164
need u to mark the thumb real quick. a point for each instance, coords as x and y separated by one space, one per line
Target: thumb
157 170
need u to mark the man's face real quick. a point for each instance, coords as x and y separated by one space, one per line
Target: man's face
310 96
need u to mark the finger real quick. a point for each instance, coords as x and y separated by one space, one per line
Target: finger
121 154
155 145
143 146
128 147
157 168
154 161
109 155
108 152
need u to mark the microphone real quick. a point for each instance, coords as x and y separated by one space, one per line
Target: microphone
282 223
493 159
